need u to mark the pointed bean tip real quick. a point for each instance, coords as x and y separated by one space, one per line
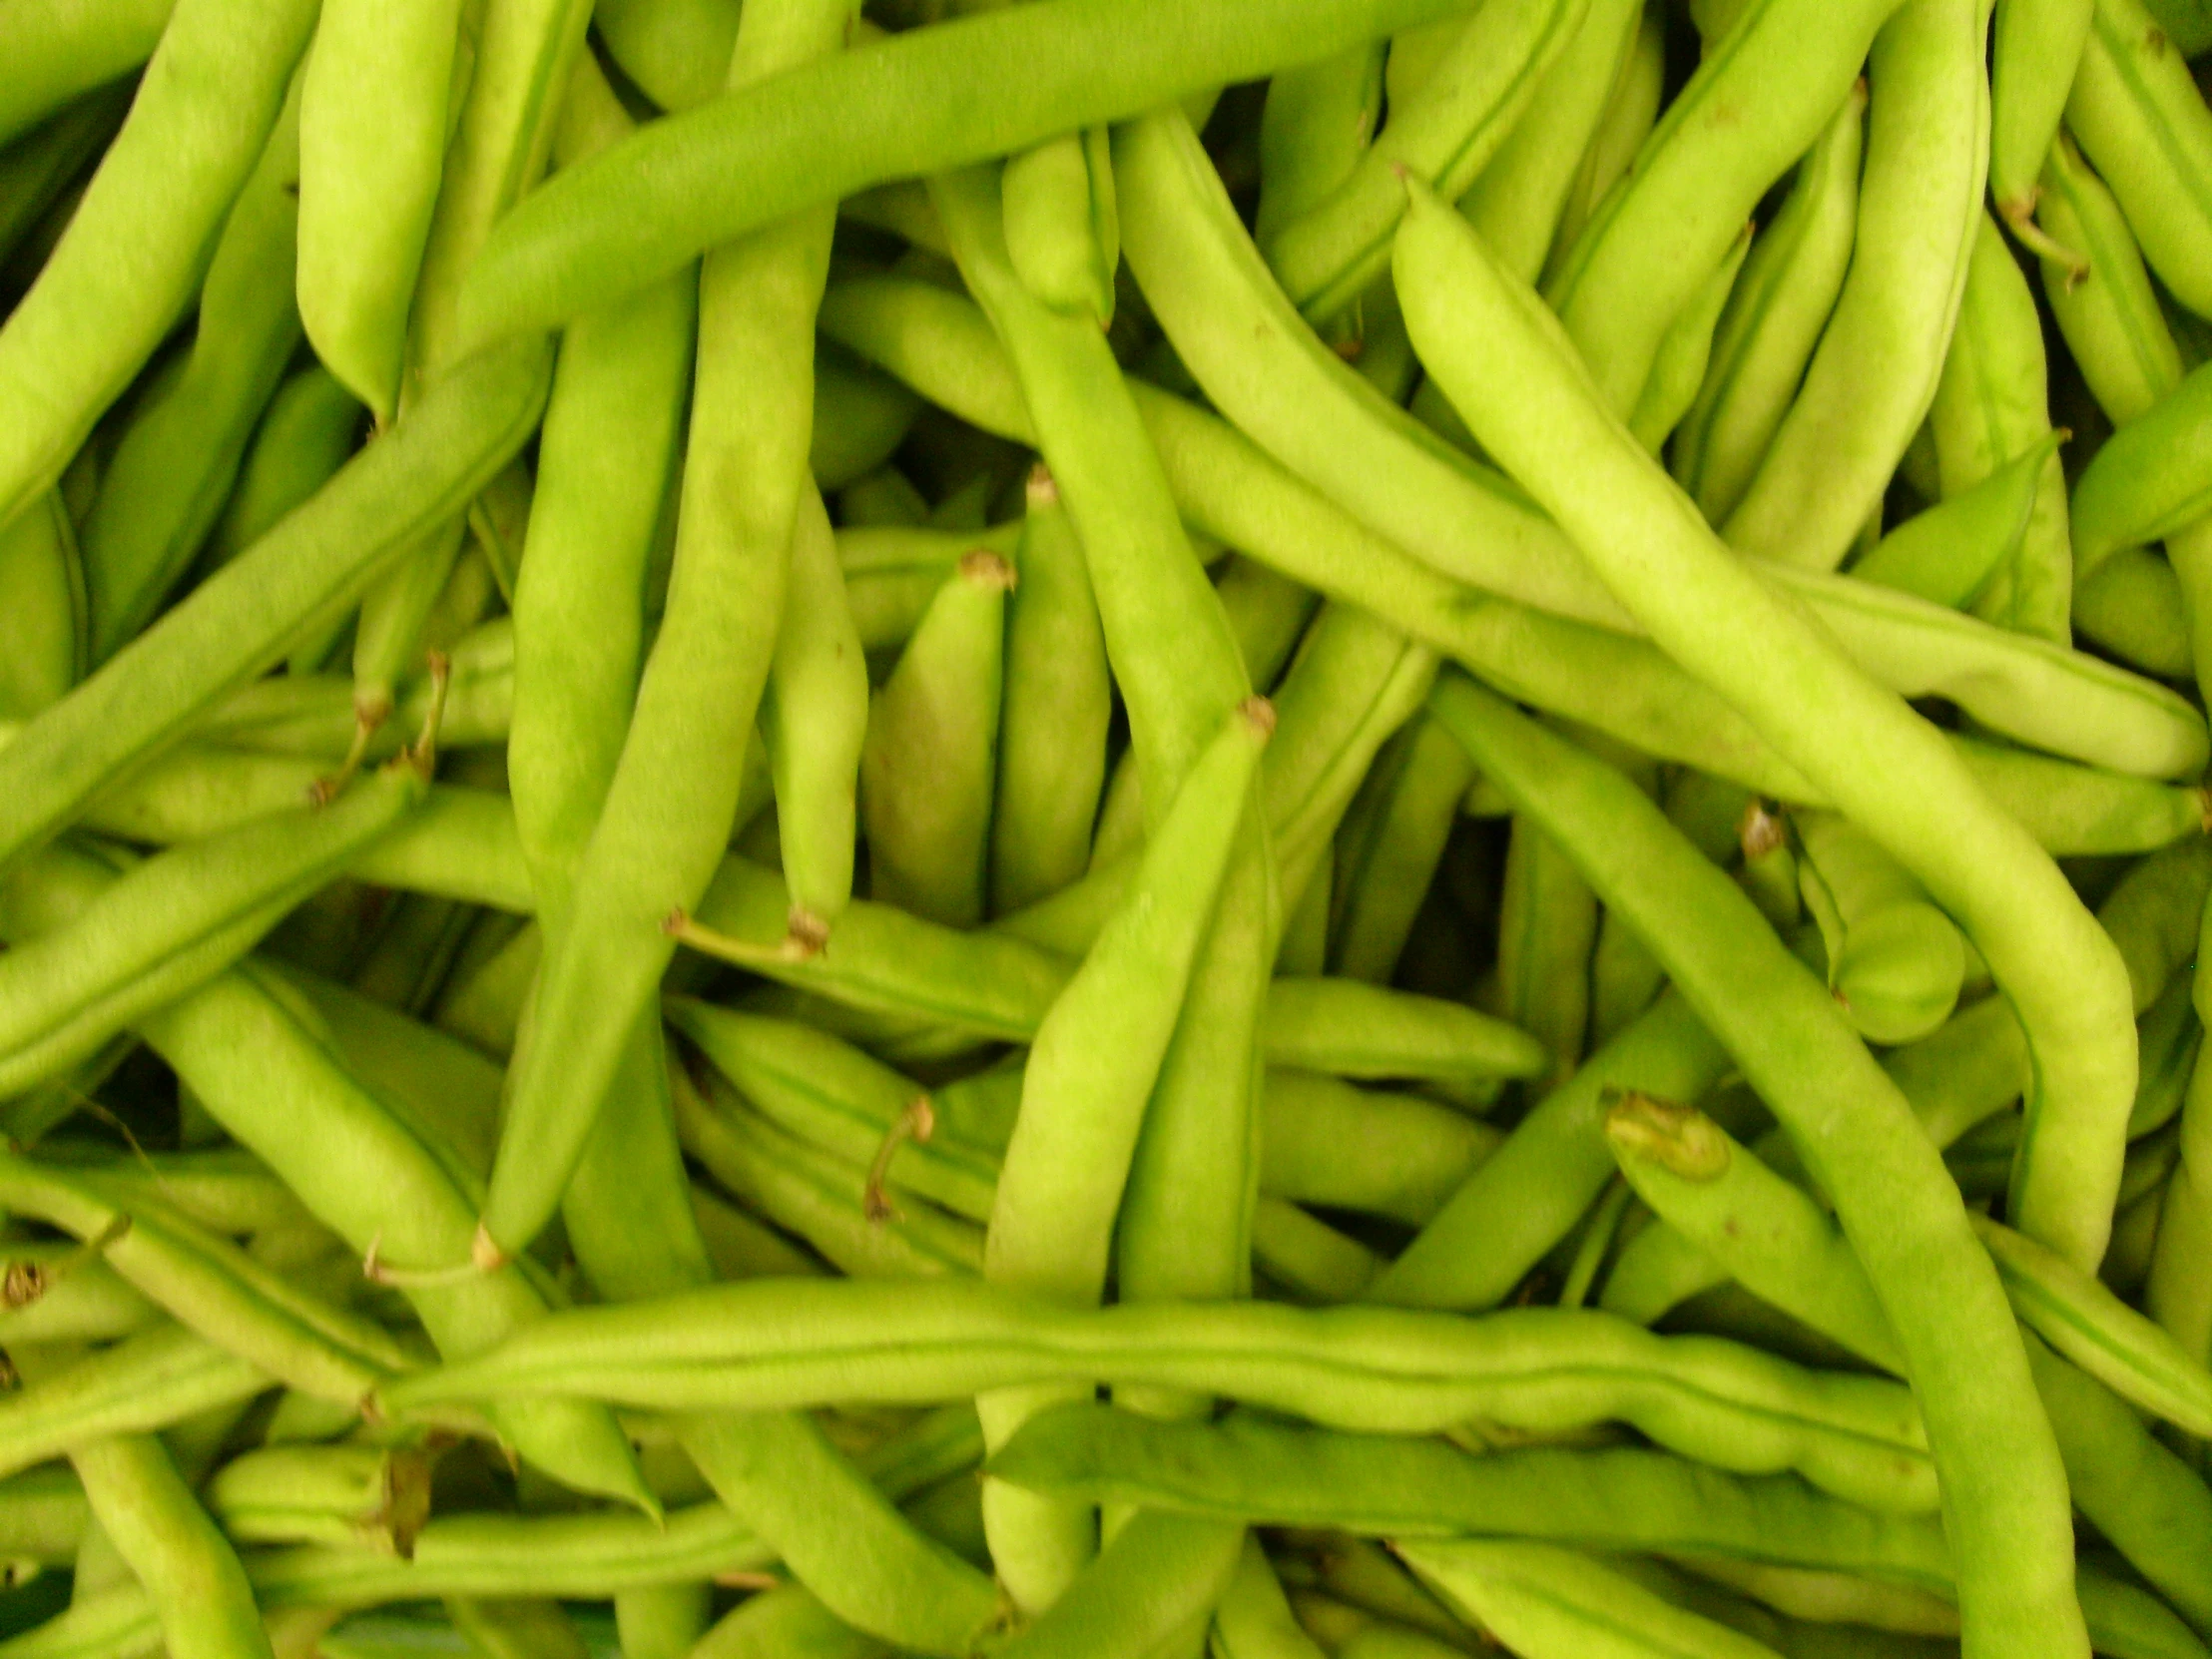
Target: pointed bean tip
988 569
1257 715
484 1251
1042 489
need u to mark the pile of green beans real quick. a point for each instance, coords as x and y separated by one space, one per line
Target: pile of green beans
1105 829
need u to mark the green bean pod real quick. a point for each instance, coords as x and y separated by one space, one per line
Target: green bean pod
1527 1196
1249 1469
2139 117
372 131
2150 479
57 1293
1947 553
1318 121
1992 403
860 419
2038 51
676 51
2178 1294
1894 961
930 755
176 920
213 1288
1062 229
1633 96
306 434
42 597
1381 1369
1445 133
1550 1601
366 1496
1152 1591
242 619
1517 202
1092 1070
2022 920
1935 1284
1678 368
813 725
1387 854
1919 205
148 1381
1547 927
1053 720
838 125
57 51
1779 76
1774 319
2107 313
133 250
743 476
892 571
168 477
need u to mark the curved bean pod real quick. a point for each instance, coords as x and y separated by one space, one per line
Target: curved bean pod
2139 117
849 121
133 252
306 434
2151 478
1444 132
42 587
1948 552
1894 961
241 620
167 480
1992 403
148 1382
1934 1283
2038 49
57 50
2009 896
1755 105
2108 313
1919 205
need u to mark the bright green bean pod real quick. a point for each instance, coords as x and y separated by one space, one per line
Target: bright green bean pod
1152 1591
176 920
2090 1326
2135 610
56 1293
1529 1195
787 1622
1756 104
369 1496
744 475
144 1382
1317 122
2038 49
1756 1225
2009 896
57 50
1517 200
930 755
1935 1284
1053 721
2138 116
241 620
1444 132
860 419
190 1571
1387 856
1092 1070
1920 204
1947 553
1894 961
309 429
134 252
1382 1370
1249 1469
42 597
892 571
1992 403
2150 479
168 478
213 1288
1774 319
836 127
1550 1603
1062 229
372 131
676 51
609 446
2142 1496
1685 351
1632 100
2107 313
813 725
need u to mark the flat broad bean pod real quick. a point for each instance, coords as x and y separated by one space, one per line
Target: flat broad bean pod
766 1343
